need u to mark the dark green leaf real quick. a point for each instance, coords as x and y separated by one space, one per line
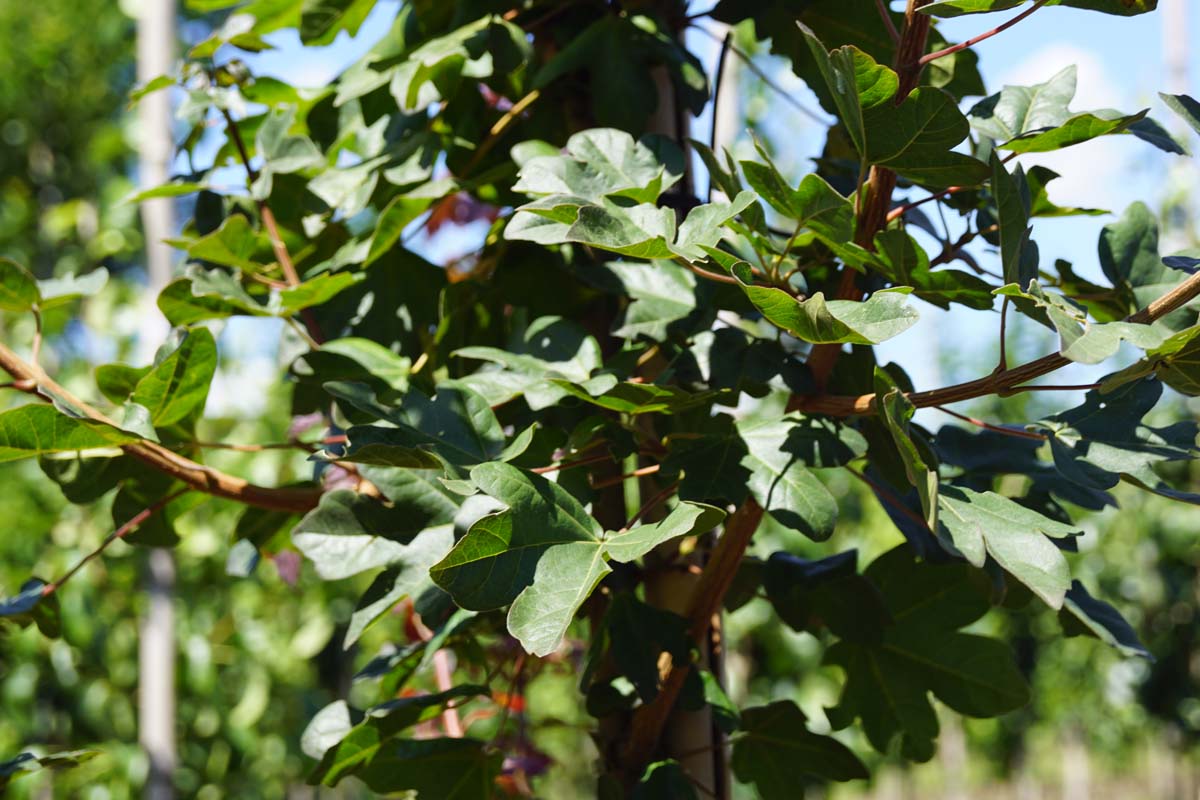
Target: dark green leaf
775 746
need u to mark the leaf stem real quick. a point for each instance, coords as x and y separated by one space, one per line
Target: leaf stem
1022 434
120 533
974 40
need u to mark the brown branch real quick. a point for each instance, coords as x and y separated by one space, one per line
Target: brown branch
120 533
705 601
268 219
296 500
876 197
1007 381
974 40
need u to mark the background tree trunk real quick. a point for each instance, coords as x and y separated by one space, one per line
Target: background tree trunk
156 643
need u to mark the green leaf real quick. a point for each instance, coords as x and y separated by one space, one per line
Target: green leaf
775 746
816 320
214 294
906 263
34 430
604 162
1084 615
405 576
1176 362
59 291
660 293
1018 253
170 189
322 20
606 391
177 386
982 524
18 289
1104 440
1035 119
544 553
348 533
457 426
1185 106
374 752
28 762
809 595
664 780
327 727
394 218
639 634
887 684
914 138
780 480
1081 339
550 348
234 244
856 83
896 411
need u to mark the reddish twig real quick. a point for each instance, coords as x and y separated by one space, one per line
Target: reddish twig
974 40
120 533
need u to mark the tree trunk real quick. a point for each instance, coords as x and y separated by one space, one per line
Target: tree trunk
156 645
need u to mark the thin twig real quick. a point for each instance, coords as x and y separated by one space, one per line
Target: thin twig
1050 387
710 276
652 503
497 130
783 253
120 533
637 473
508 699
884 494
718 81
762 76
1007 431
445 682
974 40
1003 365
581 462
268 219
36 349
887 20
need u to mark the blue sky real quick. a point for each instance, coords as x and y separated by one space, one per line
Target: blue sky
1120 65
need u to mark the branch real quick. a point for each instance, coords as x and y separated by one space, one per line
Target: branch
875 199
498 129
297 500
707 597
268 218
974 40
1008 381
120 533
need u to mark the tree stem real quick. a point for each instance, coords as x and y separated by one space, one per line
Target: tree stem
974 40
